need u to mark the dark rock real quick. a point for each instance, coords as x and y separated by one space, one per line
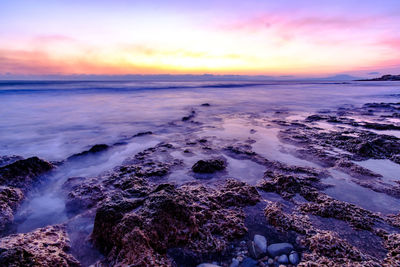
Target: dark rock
47 246
24 173
6 160
205 105
142 134
279 249
380 126
96 149
209 166
92 151
189 117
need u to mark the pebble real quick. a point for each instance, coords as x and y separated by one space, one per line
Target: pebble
283 259
279 249
253 251
294 258
249 262
260 243
270 261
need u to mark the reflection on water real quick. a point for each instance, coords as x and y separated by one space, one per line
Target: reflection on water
346 190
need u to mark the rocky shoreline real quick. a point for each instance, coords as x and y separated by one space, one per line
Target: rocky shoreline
140 214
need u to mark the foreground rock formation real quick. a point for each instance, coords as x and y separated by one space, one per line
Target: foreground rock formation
16 179
43 247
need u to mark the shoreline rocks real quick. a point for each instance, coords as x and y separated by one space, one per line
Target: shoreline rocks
209 166
47 246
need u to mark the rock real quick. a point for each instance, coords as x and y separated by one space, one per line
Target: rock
6 160
249 262
260 243
194 217
254 253
205 105
24 173
279 249
142 134
190 116
234 263
10 200
209 166
93 150
270 261
208 265
283 259
47 246
294 258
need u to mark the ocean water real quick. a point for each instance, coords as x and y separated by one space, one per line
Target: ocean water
55 119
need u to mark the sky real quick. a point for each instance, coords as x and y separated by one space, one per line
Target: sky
252 37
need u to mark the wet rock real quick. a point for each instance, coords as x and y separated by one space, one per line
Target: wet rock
249 262
142 134
326 206
260 243
92 151
284 221
326 244
190 116
392 244
253 251
294 258
209 166
10 200
279 249
380 126
43 247
193 217
283 259
24 173
6 160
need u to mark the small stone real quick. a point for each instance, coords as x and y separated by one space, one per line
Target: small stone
253 251
240 258
235 263
294 258
279 249
260 243
270 261
249 262
283 259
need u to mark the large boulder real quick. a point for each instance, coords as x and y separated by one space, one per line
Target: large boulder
139 232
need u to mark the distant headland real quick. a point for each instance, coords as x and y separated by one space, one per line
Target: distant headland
387 77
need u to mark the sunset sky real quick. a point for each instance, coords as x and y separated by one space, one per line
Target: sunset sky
286 37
